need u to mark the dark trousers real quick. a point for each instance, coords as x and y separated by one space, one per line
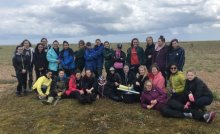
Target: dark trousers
176 109
72 95
22 82
30 77
134 68
98 72
40 73
201 102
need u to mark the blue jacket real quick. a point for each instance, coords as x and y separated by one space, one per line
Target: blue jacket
99 51
67 59
90 59
176 56
52 58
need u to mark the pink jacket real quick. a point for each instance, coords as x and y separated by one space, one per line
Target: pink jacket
158 80
72 85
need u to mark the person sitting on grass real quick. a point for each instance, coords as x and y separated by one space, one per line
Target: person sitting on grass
89 86
74 90
42 85
128 79
153 97
157 78
103 90
195 97
20 64
176 82
58 88
141 78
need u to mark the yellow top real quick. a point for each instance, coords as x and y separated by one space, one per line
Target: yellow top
42 81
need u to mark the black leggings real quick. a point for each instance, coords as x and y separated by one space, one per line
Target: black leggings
176 109
22 82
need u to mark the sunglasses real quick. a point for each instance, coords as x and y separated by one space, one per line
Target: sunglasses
173 68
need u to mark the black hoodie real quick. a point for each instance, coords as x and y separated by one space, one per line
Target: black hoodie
20 62
40 60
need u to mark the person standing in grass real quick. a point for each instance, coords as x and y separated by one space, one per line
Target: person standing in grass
40 60
90 57
99 51
79 56
53 58
119 59
42 86
135 55
108 55
45 43
176 54
160 54
66 58
21 66
149 51
29 54
157 78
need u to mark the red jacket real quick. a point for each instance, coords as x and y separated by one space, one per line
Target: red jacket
158 80
72 85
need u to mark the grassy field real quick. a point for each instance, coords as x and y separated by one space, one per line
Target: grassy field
23 115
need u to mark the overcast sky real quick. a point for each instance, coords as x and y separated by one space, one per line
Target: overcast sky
112 20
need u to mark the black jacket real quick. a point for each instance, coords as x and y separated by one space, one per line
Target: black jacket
176 56
40 60
88 83
112 78
20 62
141 80
198 88
129 79
149 51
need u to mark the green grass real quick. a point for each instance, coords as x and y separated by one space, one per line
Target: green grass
25 115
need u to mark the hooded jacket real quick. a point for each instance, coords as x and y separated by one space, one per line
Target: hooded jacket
73 85
79 55
159 57
90 59
52 58
99 52
198 88
43 81
176 56
67 59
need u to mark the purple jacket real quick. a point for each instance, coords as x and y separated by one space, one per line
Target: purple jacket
155 93
159 57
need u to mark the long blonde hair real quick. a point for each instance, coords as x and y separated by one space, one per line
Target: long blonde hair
145 69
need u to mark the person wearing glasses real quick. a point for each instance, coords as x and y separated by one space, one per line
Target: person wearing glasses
176 54
176 81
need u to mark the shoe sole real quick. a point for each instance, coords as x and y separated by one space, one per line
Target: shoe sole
211 117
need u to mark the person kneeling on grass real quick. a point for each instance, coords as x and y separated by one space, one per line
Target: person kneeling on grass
103 90
58 88
42 85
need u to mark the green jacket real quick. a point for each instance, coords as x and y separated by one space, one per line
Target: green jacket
80 62
177 82
141 55
108 55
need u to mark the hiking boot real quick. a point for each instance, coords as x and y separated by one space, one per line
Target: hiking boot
18 94
210 117
49 101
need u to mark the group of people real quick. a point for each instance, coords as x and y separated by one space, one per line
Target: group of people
152 77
